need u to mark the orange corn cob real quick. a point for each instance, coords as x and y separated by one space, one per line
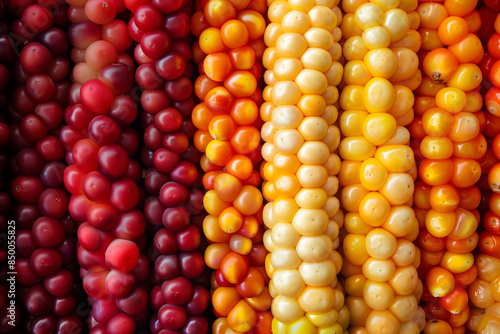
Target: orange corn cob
446 135
229 50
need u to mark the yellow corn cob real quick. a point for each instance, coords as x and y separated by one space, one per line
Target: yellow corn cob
378 169
302 212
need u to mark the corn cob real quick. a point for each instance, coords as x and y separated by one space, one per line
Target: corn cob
449 144
230 47
378 167
483 291
300 182
179 295
103 174
39 226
